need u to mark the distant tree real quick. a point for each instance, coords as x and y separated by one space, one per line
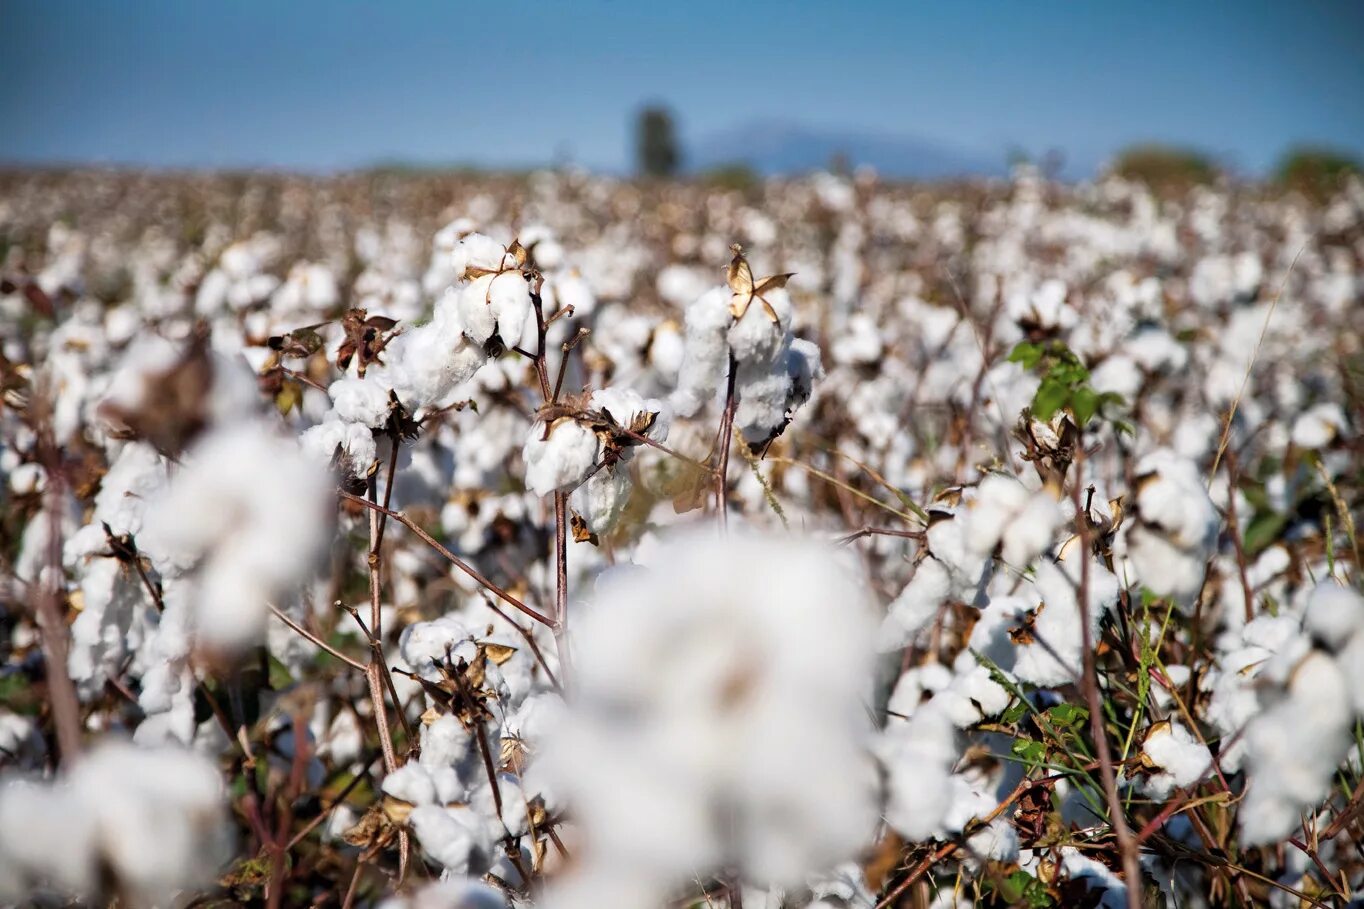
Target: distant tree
1316 171
656 143
736 176
1165 167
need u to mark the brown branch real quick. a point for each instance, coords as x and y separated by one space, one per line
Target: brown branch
51 607
725 441
317 641
1127 843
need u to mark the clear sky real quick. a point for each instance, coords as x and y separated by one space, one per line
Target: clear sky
324 85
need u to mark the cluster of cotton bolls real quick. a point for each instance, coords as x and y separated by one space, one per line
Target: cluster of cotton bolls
572 541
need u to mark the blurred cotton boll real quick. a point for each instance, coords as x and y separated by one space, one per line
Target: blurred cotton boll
1175 528
139 823
245 517
719 715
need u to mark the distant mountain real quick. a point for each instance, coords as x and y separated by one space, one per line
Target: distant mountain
772 147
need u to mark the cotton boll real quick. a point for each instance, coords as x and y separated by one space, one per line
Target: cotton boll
498 304
1335 622
476 251
21 743
1318 426
1175 759
916 606
1004 510
1175 527
706 357
755 339
153 818
365 401
355 441
1076 866
1293 749
602 499
427 362
424 645
558 457
918 758
628 408
706 729
509 299
862 344
248 513
117 609
453 836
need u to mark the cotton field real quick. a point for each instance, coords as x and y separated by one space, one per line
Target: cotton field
564 541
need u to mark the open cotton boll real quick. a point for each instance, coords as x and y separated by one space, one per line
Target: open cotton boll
1111 889
558 457
152 819
1293 749
1335 622
705 358
365 401
1174 758
1318 426
769 396
918 758
495 304
755 339
707 730
475 250
916 606
861 344
602 499
1004 510
628 408
427 362
116 610
248 515
454 836
1174 527
355 441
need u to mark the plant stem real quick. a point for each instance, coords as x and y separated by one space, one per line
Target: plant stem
725 441
561 579
50 609
1127 844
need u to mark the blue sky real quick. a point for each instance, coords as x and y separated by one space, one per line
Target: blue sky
319 86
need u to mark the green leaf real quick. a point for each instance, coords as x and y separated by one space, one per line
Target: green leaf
280 678
1028 750
1068 715
1263 529
1026 353
1084 404
1017 710
1050 398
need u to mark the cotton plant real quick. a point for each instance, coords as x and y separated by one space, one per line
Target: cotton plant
743 332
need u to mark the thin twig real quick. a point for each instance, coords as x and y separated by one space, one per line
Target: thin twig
450 557
725 443
317 641
1254 355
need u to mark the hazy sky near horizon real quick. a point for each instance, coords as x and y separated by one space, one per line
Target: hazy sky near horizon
319 86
